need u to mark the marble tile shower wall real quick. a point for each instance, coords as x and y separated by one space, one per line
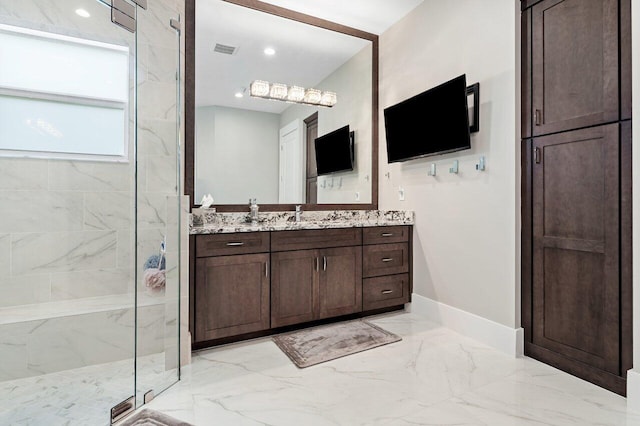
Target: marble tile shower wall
65 230
67 227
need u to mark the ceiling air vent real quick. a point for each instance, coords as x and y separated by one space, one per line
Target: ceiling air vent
224 49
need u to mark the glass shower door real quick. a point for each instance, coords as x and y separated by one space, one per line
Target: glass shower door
158 199
67 212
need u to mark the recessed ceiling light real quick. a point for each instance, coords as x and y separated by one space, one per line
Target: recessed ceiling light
83 13
239 95
269 51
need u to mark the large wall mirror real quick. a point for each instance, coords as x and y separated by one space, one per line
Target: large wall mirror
281 107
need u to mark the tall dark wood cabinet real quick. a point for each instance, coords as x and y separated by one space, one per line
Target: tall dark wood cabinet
576 187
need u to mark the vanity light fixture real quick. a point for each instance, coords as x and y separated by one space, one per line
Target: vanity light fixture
83 13
313 96
296 94
240 92
278 91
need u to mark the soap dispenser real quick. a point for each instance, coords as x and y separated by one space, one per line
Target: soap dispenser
253 211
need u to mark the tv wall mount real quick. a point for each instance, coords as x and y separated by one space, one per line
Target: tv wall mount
474 107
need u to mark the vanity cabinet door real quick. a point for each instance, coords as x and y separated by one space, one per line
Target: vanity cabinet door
294 277
340 283
232 296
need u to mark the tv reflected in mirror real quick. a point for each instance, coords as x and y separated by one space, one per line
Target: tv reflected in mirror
334 151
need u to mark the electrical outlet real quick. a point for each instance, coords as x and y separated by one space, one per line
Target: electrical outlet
401 193
357 196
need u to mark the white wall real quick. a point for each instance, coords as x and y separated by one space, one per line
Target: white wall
352 83
237 150
467 225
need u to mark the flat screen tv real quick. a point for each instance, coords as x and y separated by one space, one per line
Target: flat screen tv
431 123
334 151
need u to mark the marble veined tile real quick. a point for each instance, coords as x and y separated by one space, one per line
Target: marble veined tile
23 174
90 176
22 211
81 284
157 137
152 210
524 400
24 290
5 254
157 100
161 174
62 251
434 376
108 210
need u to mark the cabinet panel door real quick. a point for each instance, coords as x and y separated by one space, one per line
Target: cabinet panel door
575 64
293 284
232 296
340 286
576 287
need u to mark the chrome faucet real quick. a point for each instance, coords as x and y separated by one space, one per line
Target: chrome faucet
298 213
253 211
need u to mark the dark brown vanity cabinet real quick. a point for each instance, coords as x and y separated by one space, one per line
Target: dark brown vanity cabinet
232 290
386 262
576 187
247 284
315 283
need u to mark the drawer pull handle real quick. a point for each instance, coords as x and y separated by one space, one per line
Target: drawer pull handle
238 244
387 234
387 291
266 269
317 268
387 259
324 260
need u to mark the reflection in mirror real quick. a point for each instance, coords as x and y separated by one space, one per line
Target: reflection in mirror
251 147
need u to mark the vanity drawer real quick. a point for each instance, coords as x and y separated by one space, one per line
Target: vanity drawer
315 239
229 244
385 234
382 292
385 259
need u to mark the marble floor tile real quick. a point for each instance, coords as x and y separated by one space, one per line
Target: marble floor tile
434 376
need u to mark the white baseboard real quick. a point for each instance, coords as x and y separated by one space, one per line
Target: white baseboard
499 336
633 390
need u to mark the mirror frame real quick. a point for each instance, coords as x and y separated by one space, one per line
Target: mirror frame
190 89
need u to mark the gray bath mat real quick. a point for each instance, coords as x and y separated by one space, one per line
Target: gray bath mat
148 417
320 344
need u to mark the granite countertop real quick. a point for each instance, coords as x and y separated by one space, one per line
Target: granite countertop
204 222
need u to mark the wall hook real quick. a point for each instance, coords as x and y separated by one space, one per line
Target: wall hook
454 169
481 166
432 170
388 175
